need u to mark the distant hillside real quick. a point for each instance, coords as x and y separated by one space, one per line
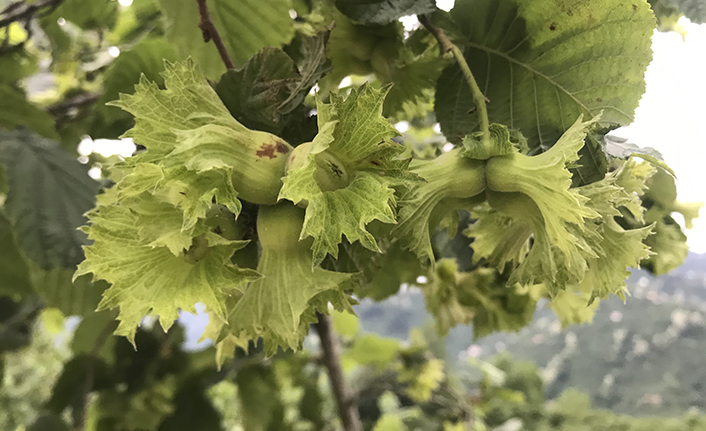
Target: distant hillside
643 357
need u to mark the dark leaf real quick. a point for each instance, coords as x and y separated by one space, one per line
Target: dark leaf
94 336
15 111
254 93
260 398
312 65
58 290
14 274
381 12
49 422
543 67
16 322
80 376
592 164
146 58
89 15
193 410
49 192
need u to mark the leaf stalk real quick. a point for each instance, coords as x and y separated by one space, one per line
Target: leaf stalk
479 99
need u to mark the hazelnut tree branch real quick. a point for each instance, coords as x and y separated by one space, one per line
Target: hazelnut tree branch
331 358
209 32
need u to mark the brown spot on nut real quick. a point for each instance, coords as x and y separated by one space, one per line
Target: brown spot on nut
552 27
281 147
266 150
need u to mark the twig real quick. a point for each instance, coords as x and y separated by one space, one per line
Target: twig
479 99
79 410
21 11
72 108
77 101
209 31
347 409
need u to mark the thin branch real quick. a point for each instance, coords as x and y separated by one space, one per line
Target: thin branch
78 101
479 99
72 108
209 31
347 409
21 11
81 406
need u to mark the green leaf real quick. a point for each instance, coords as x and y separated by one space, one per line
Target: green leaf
49 192
312 64
497 238
146 58
411 65
480 297
17 318
120 256
413 77
48 422
14 273
260 398
373 349
192 409
668 243
150 406
95 15
78 297
245 27
346 324
622 249
390 422
182 30
16 65
345 176
573 307
379 12
541 66
71 383
16 110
